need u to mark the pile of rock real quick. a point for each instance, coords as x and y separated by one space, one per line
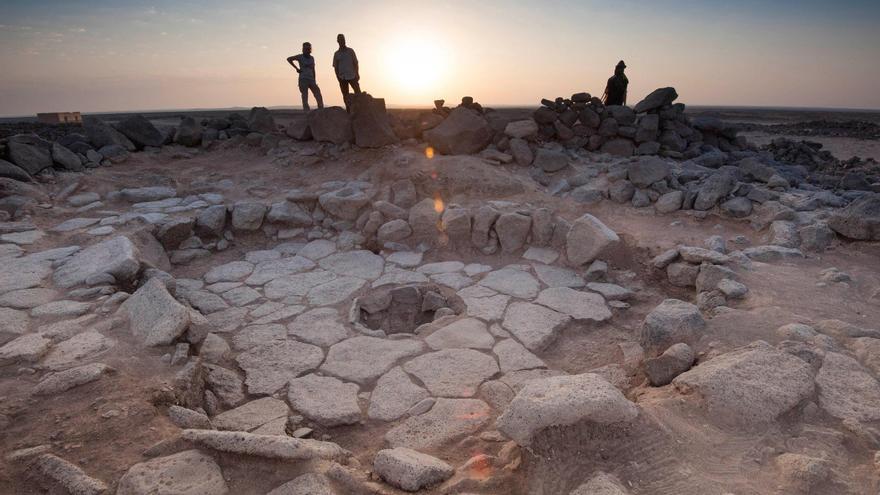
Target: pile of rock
654 126
367 126
704 270
24 156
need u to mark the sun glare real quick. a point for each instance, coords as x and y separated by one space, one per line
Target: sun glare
416 63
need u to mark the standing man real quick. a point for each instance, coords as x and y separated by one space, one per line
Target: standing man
615 90
307 80
345 63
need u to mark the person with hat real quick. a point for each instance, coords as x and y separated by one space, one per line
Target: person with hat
615 90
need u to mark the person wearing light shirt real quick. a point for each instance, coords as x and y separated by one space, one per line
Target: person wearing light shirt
345 63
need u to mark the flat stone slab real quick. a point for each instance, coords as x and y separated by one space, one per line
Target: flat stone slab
56 383
449 420
410 470
557 276
363 359
325 400
452 372
846 390
266 446
577 304
76 349
255 335
23 238
251 415
241 296
60 309
611 292
270 270
399 277
27 349
307 484
14 321
270 366
405 259
465 333
117 256
23 275
361 264
187 472
319 327
317 249
454 281
489 308
441 267
394 395
749 385
512 282
229 272
541 255
512 356
296 285
335 291
75 224
533 325
561 401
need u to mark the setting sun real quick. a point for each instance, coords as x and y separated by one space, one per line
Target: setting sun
417 64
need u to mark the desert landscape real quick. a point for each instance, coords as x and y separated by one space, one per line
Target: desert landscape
574 299
468 270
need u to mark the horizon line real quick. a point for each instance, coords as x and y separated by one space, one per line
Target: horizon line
423 107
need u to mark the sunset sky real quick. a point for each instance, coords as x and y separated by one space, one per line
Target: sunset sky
105 55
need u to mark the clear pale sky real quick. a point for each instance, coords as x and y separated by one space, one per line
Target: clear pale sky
114 55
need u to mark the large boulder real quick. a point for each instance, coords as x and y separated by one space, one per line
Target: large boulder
66 158
189 132
587 239
117 256
101 134
141 132
562 401
30 153
618 147
749 386
521 129
671 322
344 203
331 124
658 98
463 132
260 120
154 315
713 189
648 170
550 160
860 220
13 171
370 123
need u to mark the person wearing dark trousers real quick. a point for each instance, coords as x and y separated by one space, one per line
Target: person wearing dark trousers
307 80
345 64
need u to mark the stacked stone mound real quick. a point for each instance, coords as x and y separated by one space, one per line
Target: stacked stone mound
24 156
654 126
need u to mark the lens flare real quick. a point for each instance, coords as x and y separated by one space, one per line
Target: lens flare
438 203
429 152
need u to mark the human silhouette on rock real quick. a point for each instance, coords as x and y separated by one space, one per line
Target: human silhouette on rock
615 90
345 63
307 80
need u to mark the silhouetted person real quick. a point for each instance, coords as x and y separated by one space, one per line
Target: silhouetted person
345 63
307 80
615 90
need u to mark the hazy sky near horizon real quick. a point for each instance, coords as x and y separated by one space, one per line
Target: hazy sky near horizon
113 55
